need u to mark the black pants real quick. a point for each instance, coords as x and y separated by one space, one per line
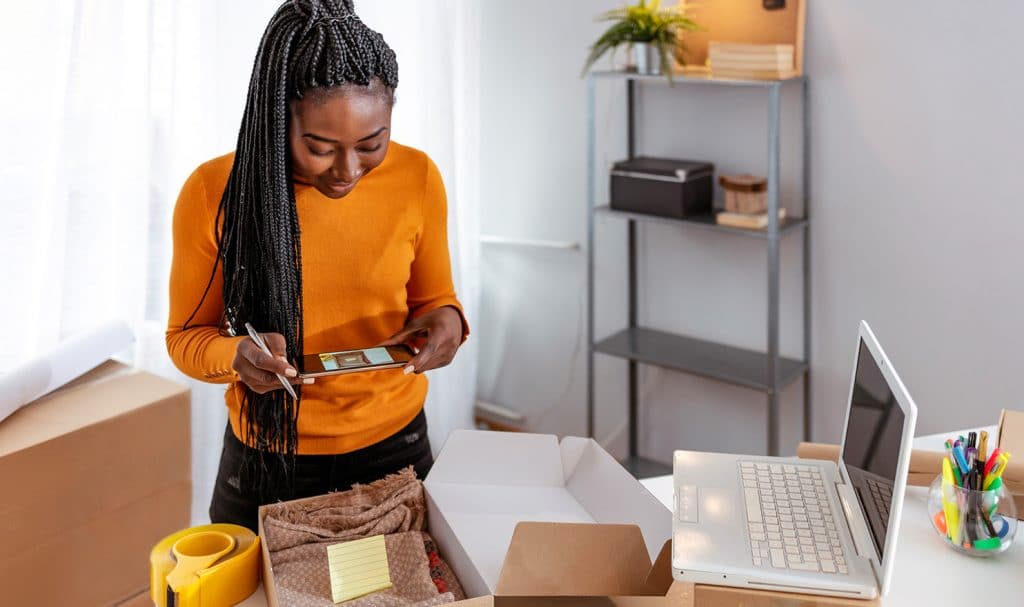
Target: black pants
235 501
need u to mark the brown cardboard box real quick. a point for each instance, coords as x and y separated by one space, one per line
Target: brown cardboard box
93 475
746 21
141 599
1010 438
1011 431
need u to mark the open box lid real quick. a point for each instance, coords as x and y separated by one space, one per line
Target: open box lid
484 483
582 559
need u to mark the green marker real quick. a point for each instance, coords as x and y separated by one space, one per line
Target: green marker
989 543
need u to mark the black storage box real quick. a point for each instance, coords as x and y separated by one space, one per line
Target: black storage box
662 186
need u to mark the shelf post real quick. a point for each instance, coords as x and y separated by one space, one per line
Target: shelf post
805 108
591 142
773 269
634 382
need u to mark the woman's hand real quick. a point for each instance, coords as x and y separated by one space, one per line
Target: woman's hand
437 334
256 369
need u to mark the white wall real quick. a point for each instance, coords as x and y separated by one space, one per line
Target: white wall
914 133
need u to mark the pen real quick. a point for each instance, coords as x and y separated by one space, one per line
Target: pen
972 458
263 346
972 439
997 470
983 445
992 459
958 452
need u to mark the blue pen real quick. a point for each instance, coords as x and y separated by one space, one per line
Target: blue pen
961 461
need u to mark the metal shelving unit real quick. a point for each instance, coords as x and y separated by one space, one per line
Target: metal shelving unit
767 372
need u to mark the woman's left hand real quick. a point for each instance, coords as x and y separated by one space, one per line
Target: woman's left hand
438 334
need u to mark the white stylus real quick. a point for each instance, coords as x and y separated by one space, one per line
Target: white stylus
263 346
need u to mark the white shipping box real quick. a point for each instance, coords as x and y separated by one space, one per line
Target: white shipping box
484 483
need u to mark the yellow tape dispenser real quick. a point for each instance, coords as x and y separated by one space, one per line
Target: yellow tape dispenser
207 566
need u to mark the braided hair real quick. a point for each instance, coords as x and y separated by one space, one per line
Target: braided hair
309 47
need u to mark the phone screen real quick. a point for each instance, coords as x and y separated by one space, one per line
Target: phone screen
355 360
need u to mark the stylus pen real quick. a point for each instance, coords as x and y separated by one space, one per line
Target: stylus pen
263 346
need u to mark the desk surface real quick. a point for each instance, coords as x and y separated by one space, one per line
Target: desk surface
926 571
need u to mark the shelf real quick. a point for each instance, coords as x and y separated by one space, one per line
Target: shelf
716 361
641 467
692 78
706 222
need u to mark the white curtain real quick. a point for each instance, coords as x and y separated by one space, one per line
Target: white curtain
109 105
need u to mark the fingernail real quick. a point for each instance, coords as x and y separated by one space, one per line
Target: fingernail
409 369
290 372
309 380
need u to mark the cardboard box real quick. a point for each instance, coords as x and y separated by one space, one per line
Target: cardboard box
525 520
484 483
93 475
1010 438
141 599
746 21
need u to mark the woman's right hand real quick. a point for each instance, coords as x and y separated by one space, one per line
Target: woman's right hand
257 370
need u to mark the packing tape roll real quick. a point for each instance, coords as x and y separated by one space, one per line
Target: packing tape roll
229 579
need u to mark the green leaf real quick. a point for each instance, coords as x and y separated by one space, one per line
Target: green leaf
645 22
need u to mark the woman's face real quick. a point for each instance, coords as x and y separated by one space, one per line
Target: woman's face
338 136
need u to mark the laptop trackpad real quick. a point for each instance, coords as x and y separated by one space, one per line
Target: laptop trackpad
720 507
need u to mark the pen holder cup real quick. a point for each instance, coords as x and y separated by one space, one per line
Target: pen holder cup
983 522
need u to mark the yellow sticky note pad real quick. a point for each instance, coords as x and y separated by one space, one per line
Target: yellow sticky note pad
358 568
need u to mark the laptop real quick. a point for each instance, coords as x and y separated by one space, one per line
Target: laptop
798 525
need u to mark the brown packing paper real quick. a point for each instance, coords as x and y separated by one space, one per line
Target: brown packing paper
925 466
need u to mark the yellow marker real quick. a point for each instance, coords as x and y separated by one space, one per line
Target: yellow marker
358 568
949 502
997 470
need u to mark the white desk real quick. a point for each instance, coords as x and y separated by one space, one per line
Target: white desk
927 573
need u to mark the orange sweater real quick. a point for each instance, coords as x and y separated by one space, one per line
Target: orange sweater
370 261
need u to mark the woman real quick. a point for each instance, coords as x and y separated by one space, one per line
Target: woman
314 158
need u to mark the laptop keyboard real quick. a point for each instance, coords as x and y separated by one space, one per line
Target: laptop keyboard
881 495
789 520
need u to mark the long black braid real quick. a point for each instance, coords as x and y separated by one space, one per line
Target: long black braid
308 46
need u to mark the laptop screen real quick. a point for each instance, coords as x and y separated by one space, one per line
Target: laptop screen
871 448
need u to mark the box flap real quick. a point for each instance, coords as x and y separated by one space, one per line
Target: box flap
553 601
1011 431
659 580
476 457
106 392
611 495
575 559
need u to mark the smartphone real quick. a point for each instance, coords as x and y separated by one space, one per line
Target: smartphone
354 361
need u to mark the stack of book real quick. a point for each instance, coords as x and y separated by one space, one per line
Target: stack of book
759 61
750 221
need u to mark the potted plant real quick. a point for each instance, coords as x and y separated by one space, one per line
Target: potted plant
652 31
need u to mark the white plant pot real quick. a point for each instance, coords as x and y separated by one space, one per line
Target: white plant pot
646 58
